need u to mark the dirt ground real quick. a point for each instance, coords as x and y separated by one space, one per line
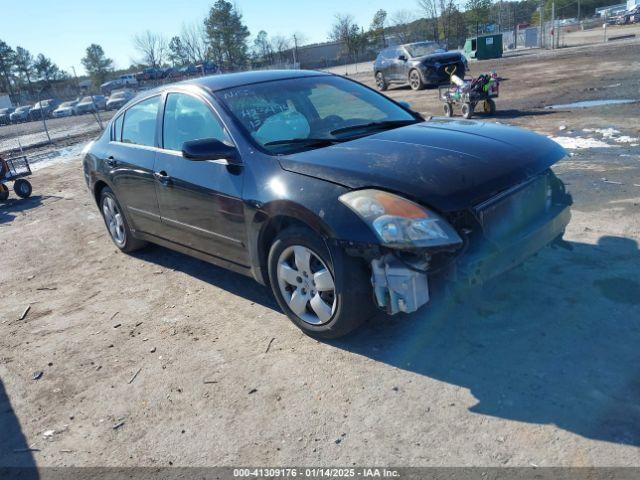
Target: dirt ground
158 359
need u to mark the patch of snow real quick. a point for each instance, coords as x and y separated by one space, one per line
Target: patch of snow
55 157
612 134
590 104
579 143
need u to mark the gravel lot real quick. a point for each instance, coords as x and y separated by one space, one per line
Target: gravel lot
158 359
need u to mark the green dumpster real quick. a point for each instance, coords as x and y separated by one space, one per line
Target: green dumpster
483 47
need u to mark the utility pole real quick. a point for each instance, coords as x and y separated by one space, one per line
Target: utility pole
553 24
295 50
578 10
44 121
75 75
542 24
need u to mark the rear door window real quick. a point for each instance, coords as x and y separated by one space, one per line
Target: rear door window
139 126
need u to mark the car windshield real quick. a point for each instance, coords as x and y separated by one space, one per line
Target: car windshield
67 104
22 109
86 100
116 95
290 115
421 49
3 111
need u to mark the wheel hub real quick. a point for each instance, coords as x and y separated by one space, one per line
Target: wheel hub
306 284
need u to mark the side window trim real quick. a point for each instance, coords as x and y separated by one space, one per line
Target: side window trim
200 98
117 136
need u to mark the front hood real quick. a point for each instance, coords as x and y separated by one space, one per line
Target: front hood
441 57
447 164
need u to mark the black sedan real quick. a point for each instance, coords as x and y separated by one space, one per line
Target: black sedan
340 199
418 64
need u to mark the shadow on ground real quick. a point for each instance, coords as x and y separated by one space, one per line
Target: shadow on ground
234 283
10 209
553 342
14 450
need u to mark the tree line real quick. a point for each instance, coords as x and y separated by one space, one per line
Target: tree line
223 38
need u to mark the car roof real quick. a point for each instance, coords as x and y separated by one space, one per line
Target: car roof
230 80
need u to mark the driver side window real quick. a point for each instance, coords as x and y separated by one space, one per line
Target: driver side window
188 118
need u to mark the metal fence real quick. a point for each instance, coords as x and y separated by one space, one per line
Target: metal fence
17 138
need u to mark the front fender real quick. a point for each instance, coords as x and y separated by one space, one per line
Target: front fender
295 198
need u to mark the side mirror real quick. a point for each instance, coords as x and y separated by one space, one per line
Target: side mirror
210 149
405 105
403 58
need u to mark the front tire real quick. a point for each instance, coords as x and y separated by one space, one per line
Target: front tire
415 80
326 295
117 224
22 188
467 110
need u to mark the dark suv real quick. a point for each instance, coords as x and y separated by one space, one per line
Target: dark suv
336 196
418 64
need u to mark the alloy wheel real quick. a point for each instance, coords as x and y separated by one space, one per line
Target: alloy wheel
414 80
306 284
114 220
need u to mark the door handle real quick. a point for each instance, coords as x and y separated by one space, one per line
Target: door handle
162 177
111 161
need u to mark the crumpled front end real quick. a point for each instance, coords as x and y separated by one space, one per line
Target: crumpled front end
498 234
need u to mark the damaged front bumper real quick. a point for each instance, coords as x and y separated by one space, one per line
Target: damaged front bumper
403 286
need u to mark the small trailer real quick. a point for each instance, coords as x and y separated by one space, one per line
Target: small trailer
18 168
469 94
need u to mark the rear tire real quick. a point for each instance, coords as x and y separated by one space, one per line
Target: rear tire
4 192
117 224
299 262
448 110
489 106
22 188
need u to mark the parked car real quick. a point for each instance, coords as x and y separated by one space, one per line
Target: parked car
418 64
152 73
118 98
20 114
128 79
630 16
168 72
108 87
65 109
91 104
5 115
188 71
326 190
207 68
43 108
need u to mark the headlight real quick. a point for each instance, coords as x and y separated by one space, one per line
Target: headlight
399 222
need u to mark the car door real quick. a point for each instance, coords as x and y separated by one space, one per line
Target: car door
403 65
396 65
200 201
130 159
